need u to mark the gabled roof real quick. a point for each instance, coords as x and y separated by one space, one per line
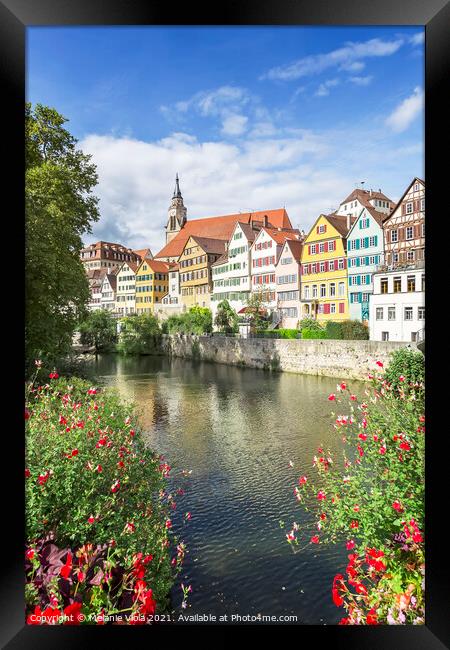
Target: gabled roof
144 253
379 217
157 266
223 258
295 247
339 222
364 196
133 266
220 228
210 245
281 235
416 178
112 279
250 231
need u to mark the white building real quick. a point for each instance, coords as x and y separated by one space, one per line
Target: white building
397 305
360 199
108 292
264 254
126 289
231 273
171 303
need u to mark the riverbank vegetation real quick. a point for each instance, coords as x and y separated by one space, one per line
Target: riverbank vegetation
98 515
372 500
197 320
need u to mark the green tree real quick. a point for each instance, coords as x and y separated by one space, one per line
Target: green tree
200 320
226 318
256 309
99 329
60 209
139 334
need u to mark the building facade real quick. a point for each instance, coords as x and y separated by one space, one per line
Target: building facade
231 274
152 283
365 252
194 263
171 303
324 294
106 255
397 309
360 198
288 278
404 230
108 292
264 254
126 289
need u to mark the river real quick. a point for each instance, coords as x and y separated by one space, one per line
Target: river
236 430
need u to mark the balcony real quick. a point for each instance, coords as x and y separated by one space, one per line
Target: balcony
400 266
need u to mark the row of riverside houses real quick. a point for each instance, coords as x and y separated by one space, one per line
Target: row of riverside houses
365 261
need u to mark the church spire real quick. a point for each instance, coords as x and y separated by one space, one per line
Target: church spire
177 192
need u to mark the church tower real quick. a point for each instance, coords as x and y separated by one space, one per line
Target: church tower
177 213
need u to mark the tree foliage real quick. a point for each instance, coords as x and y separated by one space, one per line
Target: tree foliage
198 320
139 334
60 208
256 311
99 328
226 318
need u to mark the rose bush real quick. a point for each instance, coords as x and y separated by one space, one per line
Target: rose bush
372 501
97 509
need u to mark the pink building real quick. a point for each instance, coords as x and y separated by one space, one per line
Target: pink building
287 277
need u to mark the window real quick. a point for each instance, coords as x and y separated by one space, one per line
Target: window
321 247
422 205
323 291
332 289
306 293
385 336
411 282
313 249
321 229
394 236
322 267
423 230
409 232
314 291
341 289
395 258
365 297
423 282
409 208
408 313
421 313
340 264
379 313
333 308
397 285
391 313
410 256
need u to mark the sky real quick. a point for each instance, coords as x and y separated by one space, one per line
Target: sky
251 118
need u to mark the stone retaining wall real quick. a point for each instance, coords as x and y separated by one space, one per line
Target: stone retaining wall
331 358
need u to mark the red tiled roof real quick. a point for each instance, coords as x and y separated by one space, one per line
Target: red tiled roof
157 266
280 236
144 253
220 228
209 244
296 248
339 221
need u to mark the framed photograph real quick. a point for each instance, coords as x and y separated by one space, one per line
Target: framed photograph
222 214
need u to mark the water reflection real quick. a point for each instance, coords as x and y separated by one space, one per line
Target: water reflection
236 429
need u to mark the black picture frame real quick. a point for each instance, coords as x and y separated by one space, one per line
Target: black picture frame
15 17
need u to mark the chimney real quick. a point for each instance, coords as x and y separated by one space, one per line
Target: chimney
379 189
265 221
348 222
370 191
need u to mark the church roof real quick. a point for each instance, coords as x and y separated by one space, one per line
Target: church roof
220 228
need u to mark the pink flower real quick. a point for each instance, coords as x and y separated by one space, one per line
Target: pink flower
397 506
53 375
332 397
382 450
353 398
315 539
27 473
302 480
30 554
401 378
115 486
168 524
350 544
130 527
380 364
343 385
92 391
362 436
91 520
321 495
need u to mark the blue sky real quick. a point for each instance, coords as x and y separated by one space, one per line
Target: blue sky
250 117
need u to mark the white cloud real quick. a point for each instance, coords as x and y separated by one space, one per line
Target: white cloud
418 39
343 57
406 112
355 66
234 124
361 81
324 87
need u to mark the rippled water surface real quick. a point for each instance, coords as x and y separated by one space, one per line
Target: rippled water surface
236 430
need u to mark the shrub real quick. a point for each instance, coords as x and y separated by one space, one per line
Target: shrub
226 318
309 324
313 334
406 367
99 329
373 503
97 514
289 333
354 330
198 320
334 330
139 334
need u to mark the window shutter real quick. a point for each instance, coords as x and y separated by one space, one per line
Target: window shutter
357 244
317 229
325 247
387 235
401 234
416 231
358 279
403 208
309 249
367 279
325 228
376 240
326 308
366 242
357 261
341 307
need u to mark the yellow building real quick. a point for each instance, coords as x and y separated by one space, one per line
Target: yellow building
324 279
195 269
152 283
